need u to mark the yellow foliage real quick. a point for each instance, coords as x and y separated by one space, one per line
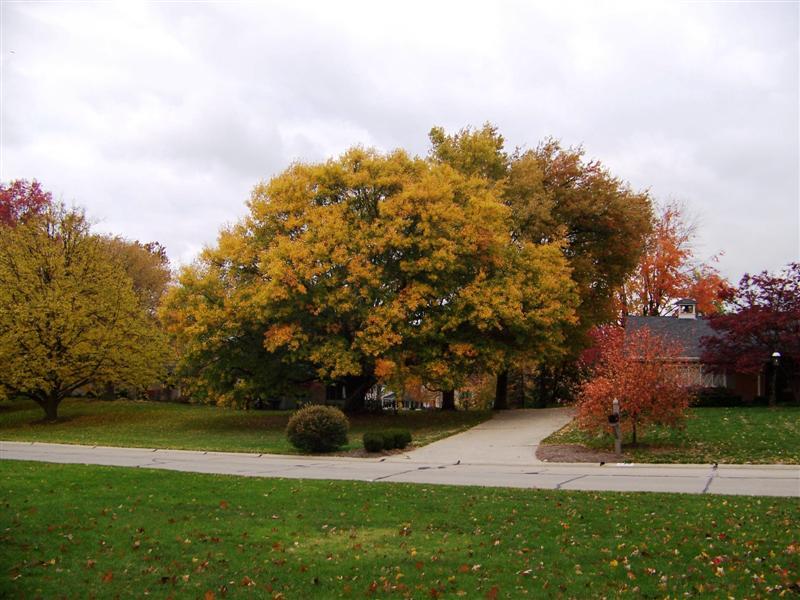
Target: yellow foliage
70 314
377 266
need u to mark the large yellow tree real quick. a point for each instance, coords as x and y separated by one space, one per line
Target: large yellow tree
556 194
70 314
376 267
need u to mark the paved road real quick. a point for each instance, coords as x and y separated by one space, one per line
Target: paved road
697 479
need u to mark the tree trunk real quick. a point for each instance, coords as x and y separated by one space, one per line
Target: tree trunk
541 396
49 405
501 391
633 420
109 392
449 400
794 383
356 388
516 388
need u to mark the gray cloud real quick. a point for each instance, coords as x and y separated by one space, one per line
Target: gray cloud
159 118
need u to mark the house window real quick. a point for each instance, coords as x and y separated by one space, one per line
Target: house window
690 374
714 379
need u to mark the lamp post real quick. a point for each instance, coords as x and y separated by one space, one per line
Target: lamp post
613 418
776 360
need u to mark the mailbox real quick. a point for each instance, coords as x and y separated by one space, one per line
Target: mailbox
613 418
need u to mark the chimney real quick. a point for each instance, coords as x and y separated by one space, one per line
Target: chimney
687 309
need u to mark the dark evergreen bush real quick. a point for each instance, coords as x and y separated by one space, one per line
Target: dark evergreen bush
716 397
396 438
373 442
402 438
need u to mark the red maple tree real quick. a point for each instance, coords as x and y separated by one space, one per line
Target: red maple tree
765 318
642 371
21 199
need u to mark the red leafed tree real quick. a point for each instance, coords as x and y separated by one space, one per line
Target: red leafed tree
640 369
668 270
765 319
21 199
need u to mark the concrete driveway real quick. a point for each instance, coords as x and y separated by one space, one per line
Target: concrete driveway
510 438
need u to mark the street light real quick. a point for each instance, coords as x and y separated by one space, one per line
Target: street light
776 361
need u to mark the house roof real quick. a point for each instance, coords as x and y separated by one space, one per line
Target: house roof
686 332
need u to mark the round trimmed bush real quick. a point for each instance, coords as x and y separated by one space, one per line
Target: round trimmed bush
317 428
402 438
388 439
373 442
396 438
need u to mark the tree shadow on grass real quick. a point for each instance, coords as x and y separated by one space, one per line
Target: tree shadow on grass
8 407
236 423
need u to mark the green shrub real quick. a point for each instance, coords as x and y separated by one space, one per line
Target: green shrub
402 438
317 428
716 397
373 442
388 439
405 438
396 438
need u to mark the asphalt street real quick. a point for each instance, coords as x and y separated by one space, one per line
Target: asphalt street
767 480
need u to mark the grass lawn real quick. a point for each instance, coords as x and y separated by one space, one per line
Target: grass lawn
196 427
86 531
723 435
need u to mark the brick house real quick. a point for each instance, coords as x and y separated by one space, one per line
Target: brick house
686 329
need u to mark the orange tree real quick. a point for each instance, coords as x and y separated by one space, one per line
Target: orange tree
370 268
641 370
668 270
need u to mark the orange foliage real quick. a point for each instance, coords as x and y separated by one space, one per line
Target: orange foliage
642 371
668 271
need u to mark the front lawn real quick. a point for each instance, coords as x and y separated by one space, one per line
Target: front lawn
89 531
195 427
721 435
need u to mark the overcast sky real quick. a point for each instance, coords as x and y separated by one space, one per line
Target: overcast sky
160 117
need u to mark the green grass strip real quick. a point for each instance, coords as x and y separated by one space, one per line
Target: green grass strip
757 435
87 531
199 427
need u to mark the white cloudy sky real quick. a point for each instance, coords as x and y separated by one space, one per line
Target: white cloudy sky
160 117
